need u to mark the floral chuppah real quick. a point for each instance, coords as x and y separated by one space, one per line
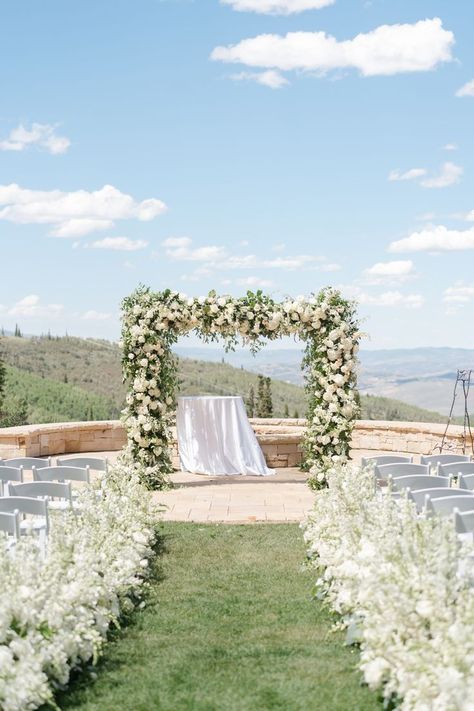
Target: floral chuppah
152 324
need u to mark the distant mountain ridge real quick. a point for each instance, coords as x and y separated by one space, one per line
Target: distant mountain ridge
423 377
72 378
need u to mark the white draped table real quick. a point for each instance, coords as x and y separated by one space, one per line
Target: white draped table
215 437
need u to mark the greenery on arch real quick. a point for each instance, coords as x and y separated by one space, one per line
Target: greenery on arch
152 323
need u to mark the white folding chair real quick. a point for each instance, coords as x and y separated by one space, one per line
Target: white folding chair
31 506
420 482
445 505
384 471
434 459
10 523
62 474
422 496
464 520
385 459
9 474
456 468
28 462
94 463
59 495
466 483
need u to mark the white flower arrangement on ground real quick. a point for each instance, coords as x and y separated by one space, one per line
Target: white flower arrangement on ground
56 604
152 324
402 584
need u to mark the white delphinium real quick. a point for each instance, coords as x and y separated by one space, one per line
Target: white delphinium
56 606
403 586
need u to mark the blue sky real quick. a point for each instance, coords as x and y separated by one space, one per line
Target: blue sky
336 151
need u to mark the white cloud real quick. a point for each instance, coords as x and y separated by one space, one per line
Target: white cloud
30 306
387 50
385 299
449 175
291 263
245 261
450 147
122 244
254 282
270 78
467 89
216 257
389 272
277 7
42 135
78 227
459 293
435 238
177 242
395 298
73 214
411 174
180 249
95 316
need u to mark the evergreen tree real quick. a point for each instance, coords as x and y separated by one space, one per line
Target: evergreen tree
16 414
296 414
268 398
251 402
261 395
3 377
18 333
286 410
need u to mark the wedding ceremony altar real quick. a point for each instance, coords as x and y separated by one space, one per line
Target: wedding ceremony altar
215 437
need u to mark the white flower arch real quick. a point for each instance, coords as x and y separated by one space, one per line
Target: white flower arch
152 324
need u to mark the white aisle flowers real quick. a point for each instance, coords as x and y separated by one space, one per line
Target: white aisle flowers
57 602
152 324
403 586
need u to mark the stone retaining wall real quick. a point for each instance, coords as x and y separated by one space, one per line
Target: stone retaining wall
280 439
61 438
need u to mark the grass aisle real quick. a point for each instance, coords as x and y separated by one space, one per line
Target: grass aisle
230 627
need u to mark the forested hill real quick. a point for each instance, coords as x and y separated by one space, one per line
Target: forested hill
70 378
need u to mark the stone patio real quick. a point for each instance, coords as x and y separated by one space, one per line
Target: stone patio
237 499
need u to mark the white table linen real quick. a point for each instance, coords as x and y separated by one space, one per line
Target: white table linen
215 437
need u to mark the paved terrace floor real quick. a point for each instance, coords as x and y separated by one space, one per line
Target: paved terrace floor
235 499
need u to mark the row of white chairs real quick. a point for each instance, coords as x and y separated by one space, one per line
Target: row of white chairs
433 493
28 463
431 459
50 488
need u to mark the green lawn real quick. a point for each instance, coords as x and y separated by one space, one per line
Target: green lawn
230 626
